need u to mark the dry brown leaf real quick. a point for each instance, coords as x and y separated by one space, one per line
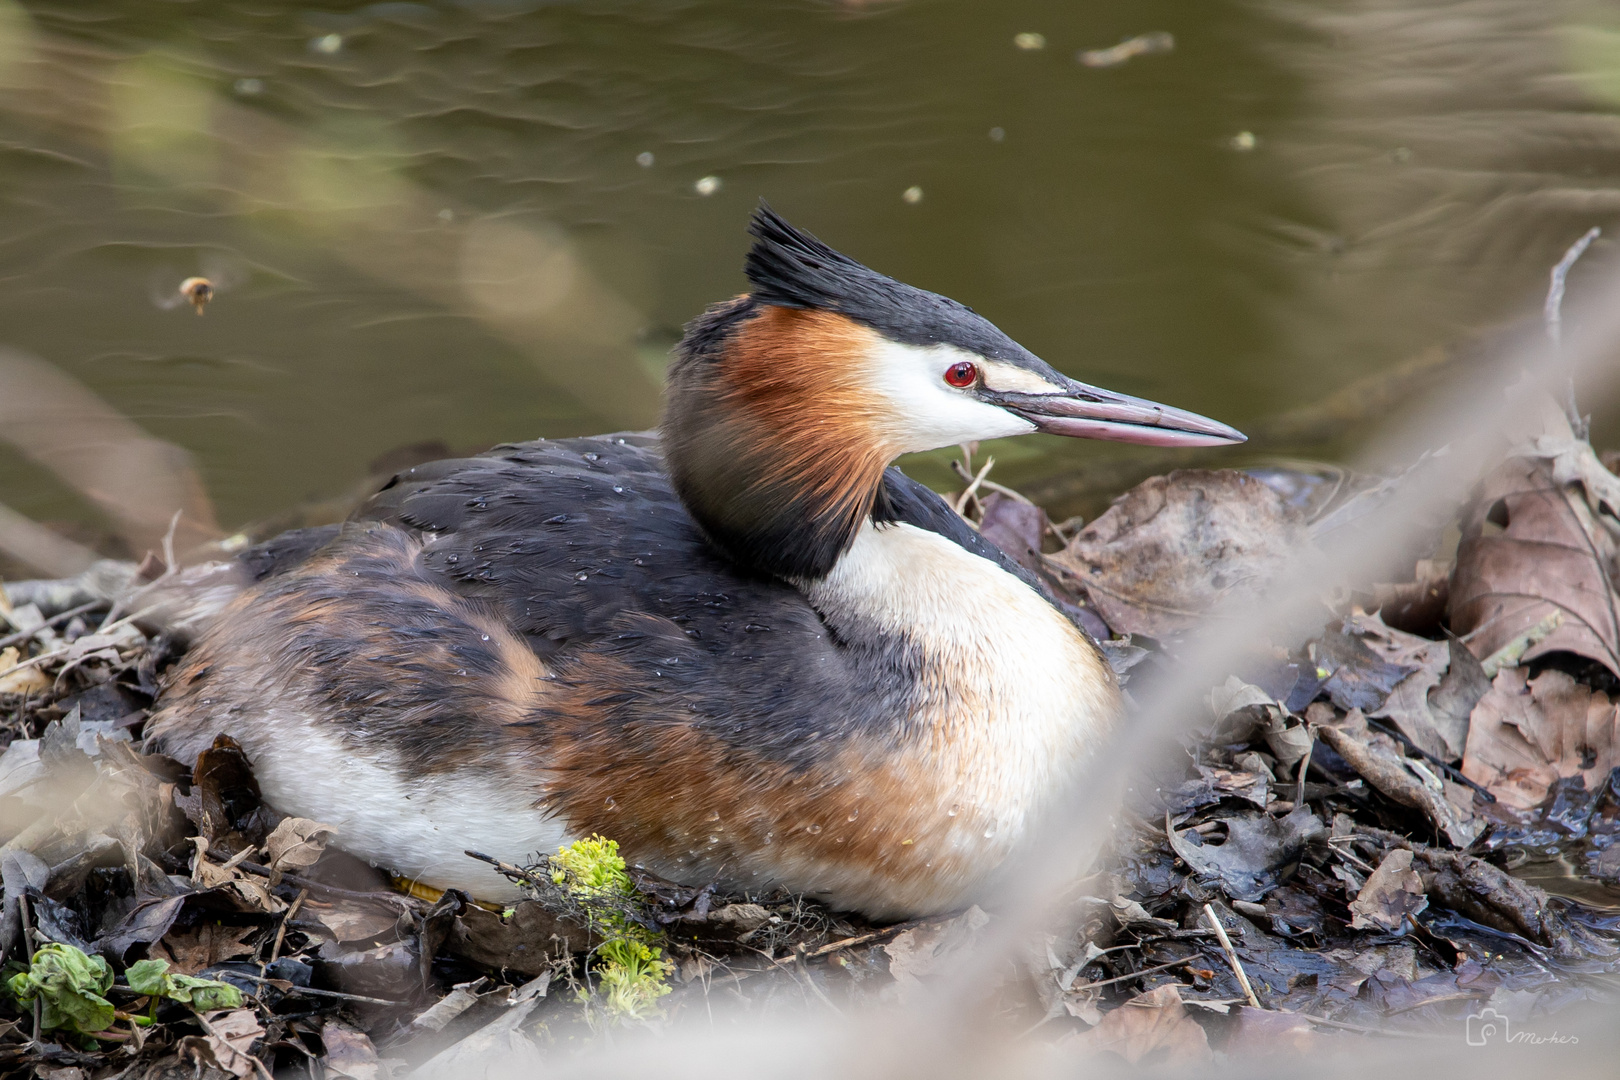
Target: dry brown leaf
297 843
1406 780
1419 604
357 922
743 918
254 892
1014 526
230 1040
1532 546
915 955
204 946
1260 1032
1173 546
1154 1024
204 873
1408 701
1527 733
1259 853
27 681
1082 1005
1392 895
349 1053
66 1072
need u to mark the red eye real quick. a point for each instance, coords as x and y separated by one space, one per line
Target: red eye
961 375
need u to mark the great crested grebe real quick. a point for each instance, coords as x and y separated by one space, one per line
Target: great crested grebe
746 648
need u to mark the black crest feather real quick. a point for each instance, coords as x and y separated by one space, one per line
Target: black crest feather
789 267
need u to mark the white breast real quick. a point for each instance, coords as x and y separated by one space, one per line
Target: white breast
1015 696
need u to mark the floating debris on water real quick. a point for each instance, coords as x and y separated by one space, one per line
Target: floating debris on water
645 159
1030 42
998 134
1159 41
912 195
327 44
1243 140
707 186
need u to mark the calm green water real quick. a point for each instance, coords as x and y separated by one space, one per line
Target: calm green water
429 221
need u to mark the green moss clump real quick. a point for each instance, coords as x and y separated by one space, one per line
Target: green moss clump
630 970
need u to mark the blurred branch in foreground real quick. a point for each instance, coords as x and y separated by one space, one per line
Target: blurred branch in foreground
32 544
138 481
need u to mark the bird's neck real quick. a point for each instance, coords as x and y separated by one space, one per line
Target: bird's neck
1004 696
767 436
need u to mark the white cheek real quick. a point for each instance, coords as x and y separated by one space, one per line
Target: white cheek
926 414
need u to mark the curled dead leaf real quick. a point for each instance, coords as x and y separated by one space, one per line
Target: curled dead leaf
1534 544
1153 1024
1262 1032
349 1053
351 921
229 1042
1405 780
297 843
1392 895
28 680
1525 734
1167 551
1260 851
918 955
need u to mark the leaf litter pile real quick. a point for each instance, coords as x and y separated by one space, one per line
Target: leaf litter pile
1407 814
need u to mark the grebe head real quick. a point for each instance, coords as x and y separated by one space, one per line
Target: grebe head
785 405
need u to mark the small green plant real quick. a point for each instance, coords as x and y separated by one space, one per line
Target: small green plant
151 977
592 869
632 978
69 986
630 970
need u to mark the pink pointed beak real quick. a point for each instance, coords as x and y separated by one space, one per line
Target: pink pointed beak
1090 412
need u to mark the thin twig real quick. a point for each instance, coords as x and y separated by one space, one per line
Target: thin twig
1553 316
53 654
28 951
851 942
516 873
310 991
1371 869
169 561
1553 311
1304 765
170 570
1232 956
281 931
66 616
1130 975
1450 770
802 973
962 500
972 486
386 899
1016 496
1325 1022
